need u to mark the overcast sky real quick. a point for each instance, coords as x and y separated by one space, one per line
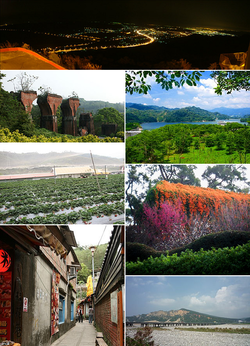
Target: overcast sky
92 85
200 168
87 235
202 96
116 150
216 295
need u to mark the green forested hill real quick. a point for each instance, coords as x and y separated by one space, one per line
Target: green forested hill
84 256
145 107
94 106
161 114
182 315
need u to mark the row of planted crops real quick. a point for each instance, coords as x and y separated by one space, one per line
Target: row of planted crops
60 201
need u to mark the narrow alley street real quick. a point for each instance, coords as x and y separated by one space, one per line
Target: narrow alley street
83 334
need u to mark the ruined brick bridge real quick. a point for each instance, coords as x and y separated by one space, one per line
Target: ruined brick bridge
49 104
168 324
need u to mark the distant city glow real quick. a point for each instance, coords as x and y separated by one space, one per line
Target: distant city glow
116 36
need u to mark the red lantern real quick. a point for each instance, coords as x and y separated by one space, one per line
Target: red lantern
5 261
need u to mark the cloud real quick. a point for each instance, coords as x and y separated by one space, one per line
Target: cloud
150 80
222 294
184 104
227 301
137 281
196 301
162 302
201 90
202 95
147 96
208 82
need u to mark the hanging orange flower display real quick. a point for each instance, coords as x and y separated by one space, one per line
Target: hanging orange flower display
197 199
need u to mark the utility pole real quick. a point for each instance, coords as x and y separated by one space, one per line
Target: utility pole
95 171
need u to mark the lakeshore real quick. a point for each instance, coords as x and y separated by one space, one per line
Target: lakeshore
156 125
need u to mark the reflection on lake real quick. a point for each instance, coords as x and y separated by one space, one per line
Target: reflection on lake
156 125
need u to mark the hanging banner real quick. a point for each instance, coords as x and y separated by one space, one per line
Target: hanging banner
25 304
5 306
55 303
89 286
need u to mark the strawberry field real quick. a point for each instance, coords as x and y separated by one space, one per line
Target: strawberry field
62 201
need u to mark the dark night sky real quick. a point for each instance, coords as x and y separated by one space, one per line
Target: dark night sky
227 14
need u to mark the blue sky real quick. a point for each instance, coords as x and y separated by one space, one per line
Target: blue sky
202 96
222 296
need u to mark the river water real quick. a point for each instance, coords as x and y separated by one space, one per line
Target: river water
170 336
156 125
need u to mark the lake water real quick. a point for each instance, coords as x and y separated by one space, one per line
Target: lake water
156 125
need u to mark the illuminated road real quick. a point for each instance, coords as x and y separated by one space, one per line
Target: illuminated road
151 39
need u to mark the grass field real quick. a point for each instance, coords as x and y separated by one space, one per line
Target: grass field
183 143
207 155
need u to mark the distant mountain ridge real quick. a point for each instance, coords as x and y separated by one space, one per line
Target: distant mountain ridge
237 112
146 107
10 160
143 113
94 106
222 110
181 315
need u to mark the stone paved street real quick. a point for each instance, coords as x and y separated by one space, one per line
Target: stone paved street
83 334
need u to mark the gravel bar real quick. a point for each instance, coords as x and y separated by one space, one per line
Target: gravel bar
175 337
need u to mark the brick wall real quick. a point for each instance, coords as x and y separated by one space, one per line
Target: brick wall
111 331
27 98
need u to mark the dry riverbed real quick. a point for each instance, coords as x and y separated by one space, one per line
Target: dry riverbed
170 336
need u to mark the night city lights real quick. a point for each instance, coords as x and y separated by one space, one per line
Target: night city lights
134 34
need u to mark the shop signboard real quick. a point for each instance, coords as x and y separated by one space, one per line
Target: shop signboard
114 311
